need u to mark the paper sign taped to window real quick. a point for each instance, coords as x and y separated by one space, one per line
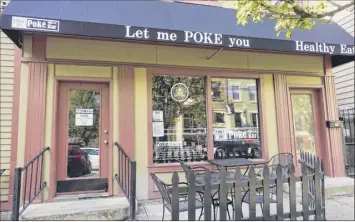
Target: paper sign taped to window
158 116
158 129
84 110
84 119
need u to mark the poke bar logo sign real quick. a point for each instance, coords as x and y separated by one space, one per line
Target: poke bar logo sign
35 24
178 37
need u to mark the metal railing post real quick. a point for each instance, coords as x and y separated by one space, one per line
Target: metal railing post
133 189
16 194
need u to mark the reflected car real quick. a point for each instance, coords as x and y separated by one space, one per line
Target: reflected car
93 156
238 148
79 163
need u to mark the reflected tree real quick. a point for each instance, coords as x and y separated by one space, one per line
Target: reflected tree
195 103
302 112
84 99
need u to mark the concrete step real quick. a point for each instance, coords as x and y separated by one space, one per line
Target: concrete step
109 208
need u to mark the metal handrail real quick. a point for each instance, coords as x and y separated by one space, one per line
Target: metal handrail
126 178
16 203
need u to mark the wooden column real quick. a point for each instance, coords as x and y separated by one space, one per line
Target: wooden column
282 114
35 121
336 156
126 109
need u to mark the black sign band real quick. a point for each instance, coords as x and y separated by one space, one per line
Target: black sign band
170 36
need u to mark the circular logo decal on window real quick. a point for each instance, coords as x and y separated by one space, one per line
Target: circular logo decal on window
179 92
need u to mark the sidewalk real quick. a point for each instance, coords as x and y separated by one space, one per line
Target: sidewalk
337 208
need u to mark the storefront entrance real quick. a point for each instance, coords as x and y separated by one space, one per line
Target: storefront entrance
82 137
307 116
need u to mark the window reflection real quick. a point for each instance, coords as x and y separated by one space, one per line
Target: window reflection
179 119
235 118
83 135
303 123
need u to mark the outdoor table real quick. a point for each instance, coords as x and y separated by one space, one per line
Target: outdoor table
235 162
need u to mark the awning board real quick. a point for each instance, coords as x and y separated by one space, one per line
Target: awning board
168 22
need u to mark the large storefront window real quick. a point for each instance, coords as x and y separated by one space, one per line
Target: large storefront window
179 119
235 118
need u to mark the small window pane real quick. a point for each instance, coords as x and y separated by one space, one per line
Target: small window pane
235 119
252 93
235 93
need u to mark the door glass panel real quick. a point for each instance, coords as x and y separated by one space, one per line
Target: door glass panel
303 123
83 135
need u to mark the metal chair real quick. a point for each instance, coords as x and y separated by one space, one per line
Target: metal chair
183 204
214 178
283 159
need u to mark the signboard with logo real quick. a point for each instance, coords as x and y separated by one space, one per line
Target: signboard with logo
179 92
35 24
185 37
224 134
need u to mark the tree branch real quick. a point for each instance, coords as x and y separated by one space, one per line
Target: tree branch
333 3
299 10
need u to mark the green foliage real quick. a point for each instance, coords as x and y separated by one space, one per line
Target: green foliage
288 14
172 109
84 99
302 113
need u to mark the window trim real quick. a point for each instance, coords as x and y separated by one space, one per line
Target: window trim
208 74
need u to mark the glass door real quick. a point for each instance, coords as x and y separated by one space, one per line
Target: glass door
306 122
83 135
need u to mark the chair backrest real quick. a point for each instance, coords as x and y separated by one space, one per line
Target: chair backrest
186 170
283 159
162 187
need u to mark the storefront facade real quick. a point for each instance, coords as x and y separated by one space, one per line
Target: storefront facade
165 101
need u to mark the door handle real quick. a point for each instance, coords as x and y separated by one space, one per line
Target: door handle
105 142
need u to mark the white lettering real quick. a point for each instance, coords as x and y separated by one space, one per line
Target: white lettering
166 36
200 39
306 47
347 50
231 40
146 34
299 45
311 48
218 39
332 49
36 24
188 35
239 42
246 43
162 36
315 47
208 39
173 36
139 34
128 32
